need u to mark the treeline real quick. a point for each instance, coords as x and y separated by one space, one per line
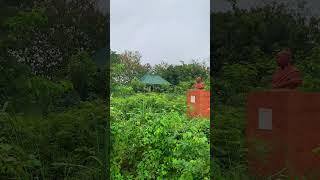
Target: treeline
127 69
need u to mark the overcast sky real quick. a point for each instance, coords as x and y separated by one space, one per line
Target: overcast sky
161 30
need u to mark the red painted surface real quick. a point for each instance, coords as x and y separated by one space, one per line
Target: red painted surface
295 133
201 106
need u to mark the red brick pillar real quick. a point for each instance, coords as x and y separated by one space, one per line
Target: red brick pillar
198 103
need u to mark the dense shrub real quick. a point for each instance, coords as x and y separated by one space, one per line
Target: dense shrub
57 146
81 70
152 138
150 102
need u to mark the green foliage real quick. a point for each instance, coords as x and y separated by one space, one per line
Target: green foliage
127 66
181 73
26 22
227 137
47 132
14 161
35 93
152 139
269 28
11 73
150 131
207 84
245 44
117 69
81 71
238 79
122 91
60 145
45 34
137 85
149 102
186 85
311 70
126 70
43 93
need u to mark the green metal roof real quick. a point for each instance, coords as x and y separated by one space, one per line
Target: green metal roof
154 80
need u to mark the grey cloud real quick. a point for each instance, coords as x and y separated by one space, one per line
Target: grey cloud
166 30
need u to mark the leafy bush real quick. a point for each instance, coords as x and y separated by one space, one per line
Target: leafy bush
137 85
26 21
82 70
122 91
186 85
57 146
228 143
311 71
151 102
152 138
47 132
37 95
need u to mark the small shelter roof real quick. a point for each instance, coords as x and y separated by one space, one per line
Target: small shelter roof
154 80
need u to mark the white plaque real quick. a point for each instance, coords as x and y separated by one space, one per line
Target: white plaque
193 99
265 118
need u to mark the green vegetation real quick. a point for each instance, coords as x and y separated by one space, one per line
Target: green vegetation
51 91
245 42
52 94
53 110
152 138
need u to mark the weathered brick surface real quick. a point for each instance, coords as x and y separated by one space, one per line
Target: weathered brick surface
295 133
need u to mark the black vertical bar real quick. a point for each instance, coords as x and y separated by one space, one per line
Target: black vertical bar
104 124
211 92
107 127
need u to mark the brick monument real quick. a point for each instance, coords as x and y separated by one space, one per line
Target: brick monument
283 127
198 101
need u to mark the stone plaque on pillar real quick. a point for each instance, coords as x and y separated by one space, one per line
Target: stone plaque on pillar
193 99
265 119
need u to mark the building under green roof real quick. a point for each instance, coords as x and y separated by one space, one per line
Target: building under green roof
151 79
